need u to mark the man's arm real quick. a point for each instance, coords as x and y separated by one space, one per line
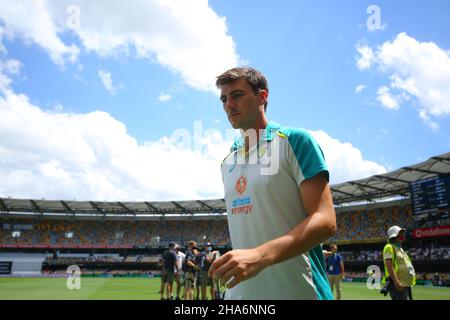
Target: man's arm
317 227
190 263
175 264
342 269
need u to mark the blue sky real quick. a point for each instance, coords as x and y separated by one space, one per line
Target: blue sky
308 51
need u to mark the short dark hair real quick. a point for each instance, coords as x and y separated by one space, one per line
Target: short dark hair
256 80
192 243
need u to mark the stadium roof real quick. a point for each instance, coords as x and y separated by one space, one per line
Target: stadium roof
391 184
395 183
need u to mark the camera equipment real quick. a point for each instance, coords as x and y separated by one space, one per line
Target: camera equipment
386 287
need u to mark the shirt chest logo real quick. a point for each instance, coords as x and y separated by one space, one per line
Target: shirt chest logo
241 185
242 204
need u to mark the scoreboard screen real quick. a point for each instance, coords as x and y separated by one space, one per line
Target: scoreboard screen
431 195
5 267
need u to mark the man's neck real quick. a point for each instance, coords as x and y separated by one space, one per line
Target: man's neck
257 128
398 244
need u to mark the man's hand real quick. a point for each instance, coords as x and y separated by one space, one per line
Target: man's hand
237 264
398 286
326 253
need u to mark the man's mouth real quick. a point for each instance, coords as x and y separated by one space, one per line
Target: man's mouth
234 114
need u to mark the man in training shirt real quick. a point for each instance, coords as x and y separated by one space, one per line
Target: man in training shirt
278 201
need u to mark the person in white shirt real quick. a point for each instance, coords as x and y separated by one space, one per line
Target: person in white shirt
278 199
179 276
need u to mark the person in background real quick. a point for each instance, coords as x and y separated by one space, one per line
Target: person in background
335 269
400 275
168 273
190 268
198 272
208 257
179 274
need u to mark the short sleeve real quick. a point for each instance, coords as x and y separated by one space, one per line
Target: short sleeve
388 252
305 156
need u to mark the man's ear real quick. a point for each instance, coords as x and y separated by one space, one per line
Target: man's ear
263 96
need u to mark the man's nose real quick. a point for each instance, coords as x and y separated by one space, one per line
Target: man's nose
229 105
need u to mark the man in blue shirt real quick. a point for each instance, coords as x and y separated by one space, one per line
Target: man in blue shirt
335 269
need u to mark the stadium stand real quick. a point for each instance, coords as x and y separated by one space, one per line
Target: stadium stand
128 237
111 233
371 224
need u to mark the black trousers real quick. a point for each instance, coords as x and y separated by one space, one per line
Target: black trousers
406 294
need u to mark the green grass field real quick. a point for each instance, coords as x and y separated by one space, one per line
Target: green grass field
146 289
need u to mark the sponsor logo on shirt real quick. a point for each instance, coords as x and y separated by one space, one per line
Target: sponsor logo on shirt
241 205
241 185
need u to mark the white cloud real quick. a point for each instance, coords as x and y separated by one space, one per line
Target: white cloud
3 49
56 155
186 36
419 70
163 97
107 81
385 131
8 68
386 99
345 161
366 57
32 22
360 88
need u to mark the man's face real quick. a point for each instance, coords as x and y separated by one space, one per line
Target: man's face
401 236
334 249
241 104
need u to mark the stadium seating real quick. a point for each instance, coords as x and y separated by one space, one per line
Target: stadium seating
371 224
352 227
113 232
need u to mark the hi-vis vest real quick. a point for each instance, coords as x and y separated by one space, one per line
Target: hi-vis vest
401 263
